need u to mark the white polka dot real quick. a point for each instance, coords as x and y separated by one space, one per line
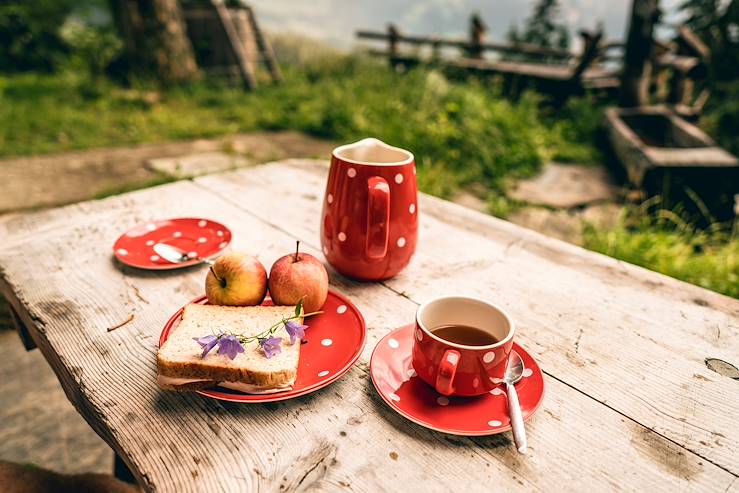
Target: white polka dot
494 423
202 239
488 357
419 335
151 227
527 372
122 251
219 233
325 250
412 208
223 244
326 342
351 172
154 258
393 343
341 309
442 401
149 242
177 234
202 223
393 396
192 254
411 373
414 170
342 236
401 242
323 373
496 391
496 381
399 178
476 382
330 199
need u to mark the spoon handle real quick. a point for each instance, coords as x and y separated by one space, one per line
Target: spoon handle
514 411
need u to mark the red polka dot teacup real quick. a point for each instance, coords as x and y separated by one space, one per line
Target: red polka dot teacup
458 369
369 223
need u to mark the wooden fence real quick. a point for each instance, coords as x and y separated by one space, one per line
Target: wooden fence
558 72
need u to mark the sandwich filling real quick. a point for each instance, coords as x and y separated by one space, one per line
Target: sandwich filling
247 388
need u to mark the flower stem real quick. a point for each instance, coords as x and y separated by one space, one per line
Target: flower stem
268 332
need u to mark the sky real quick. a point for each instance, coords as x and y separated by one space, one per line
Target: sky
335 21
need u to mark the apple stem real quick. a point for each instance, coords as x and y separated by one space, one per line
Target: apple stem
297 248
220 281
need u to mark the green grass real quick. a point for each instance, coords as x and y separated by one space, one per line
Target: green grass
461 132
663 242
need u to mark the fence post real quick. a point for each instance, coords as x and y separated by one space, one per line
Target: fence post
637 68
392 38
477 36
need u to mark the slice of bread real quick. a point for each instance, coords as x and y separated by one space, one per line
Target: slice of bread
180 357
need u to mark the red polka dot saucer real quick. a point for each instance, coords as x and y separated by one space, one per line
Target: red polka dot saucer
198 238
334 341
397 383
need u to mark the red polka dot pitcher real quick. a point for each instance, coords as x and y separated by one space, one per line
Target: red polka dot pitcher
369 225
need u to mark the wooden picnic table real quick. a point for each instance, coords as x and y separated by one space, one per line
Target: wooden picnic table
631 401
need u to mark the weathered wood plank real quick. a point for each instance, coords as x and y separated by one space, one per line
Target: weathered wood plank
628 337
177 442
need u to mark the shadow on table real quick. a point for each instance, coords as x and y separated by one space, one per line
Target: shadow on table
172 403
146 273
419 432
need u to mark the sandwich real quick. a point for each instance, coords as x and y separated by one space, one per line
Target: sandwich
182 363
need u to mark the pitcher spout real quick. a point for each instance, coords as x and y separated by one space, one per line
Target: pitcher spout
374 152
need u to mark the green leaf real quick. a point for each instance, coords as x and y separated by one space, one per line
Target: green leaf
299 308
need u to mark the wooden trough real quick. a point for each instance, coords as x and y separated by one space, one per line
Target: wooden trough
664 154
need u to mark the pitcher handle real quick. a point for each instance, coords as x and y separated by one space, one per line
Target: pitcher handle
378 217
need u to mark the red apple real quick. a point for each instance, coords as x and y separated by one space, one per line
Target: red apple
299 276
236 279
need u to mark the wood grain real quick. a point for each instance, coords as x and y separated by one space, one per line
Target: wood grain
57 270
628 337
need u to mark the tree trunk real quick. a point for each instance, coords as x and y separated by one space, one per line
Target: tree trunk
637 67
155 38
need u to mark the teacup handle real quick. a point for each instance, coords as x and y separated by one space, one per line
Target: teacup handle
447 371
378 217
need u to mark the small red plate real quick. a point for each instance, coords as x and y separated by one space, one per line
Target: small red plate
201 238
335 340
398 385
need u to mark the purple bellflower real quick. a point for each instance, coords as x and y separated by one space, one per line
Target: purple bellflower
230 346
207 343
295 330
271 345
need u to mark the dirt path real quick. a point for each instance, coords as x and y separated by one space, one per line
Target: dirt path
44 181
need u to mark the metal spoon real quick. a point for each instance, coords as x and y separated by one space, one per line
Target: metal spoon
176 255
514 373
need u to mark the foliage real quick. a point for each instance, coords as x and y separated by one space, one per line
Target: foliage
92 50
664 242
574 131
717 24
721 116
29 34
542 28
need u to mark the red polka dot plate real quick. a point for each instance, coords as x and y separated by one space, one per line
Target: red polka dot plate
200 238
397 383
335 339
